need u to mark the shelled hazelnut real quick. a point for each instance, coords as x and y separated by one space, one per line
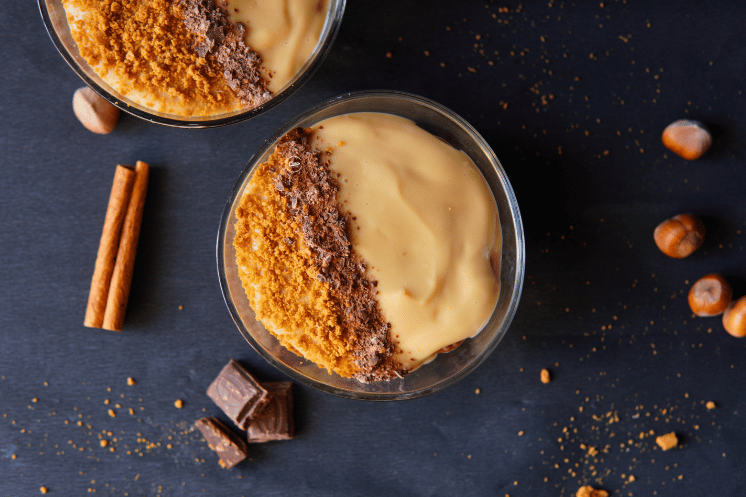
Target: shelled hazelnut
679 236
734 318
710 295
687 138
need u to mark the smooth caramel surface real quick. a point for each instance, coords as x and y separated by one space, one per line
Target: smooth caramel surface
284 32
426 223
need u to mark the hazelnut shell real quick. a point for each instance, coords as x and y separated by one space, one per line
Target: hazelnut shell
734 318
687 138
710 296
679 236
94 112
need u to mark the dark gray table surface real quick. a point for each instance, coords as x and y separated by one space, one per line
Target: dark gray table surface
572 96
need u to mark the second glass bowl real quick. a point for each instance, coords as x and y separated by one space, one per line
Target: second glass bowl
446 369
55 20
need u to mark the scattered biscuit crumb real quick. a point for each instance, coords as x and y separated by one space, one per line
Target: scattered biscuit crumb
477 391
43 490
545 376
589 491
13 456
710 405
112 413
667 441
104 443
130 381
179 404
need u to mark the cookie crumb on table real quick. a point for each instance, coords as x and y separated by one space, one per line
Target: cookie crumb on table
588 491
545 376
667 441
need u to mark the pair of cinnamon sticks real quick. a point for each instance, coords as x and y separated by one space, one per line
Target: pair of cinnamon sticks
115 262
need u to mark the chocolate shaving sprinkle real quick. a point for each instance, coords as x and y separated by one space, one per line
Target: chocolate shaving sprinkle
222 43
311 193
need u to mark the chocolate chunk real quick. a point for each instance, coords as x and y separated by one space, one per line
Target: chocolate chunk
238 394
276 421
229 446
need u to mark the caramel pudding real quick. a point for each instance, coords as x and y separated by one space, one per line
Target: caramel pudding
197 58
368 245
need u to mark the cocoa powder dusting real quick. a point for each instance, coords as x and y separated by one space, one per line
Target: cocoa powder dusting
311 194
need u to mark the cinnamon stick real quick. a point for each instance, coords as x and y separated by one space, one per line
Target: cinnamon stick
119 288
121 189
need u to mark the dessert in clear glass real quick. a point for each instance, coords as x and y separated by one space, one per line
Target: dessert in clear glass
445 362
193 63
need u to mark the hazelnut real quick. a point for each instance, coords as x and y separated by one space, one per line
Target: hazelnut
710 295
734 318
95 113
679 236
687 138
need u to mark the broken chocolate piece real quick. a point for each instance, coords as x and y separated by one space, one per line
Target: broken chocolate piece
276 421
229 446
238 394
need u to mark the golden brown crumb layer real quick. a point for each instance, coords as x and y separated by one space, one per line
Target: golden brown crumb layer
279 277
143 49
291 238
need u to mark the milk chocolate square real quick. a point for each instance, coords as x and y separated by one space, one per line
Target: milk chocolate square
238 394
276 421
230 447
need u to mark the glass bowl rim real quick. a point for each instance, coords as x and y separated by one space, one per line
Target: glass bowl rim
518 279
317 59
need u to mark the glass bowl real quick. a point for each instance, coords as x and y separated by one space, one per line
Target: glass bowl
447 368
55 20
